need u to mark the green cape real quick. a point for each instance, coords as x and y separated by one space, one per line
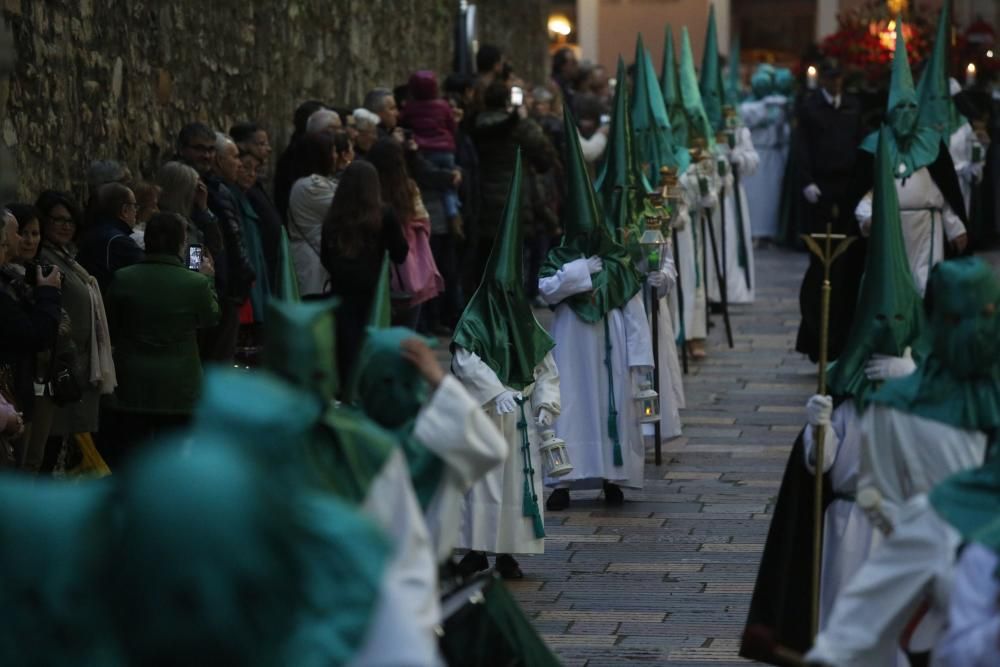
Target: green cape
937 108
713 93
970 501
650 121
586 235
699 126
670 84
232 568
913 145
392 391
498 324
889 315
959 381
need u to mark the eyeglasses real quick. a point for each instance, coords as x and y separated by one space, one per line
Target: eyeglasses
202 148
67 222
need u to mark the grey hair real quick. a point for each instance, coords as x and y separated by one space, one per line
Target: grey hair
365 119
178 184
375 99
105 171
221 140
321 119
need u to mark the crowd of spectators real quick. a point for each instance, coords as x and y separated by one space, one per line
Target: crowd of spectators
108 312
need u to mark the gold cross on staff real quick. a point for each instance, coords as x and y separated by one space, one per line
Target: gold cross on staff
827 254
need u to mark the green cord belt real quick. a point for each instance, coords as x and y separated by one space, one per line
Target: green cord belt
529 504
612 409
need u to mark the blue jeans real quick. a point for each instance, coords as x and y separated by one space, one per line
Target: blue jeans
445 160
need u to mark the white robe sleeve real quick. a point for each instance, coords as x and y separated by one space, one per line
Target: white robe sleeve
453 426
638 339
409 602
973 637
572 278
883 466
873 610
831 441
546 391
953 227
593 148
863 211
744 156
755 114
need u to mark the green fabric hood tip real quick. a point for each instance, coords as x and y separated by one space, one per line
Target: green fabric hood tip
699 125
734 80
654 141
300 343
498 325
888 316
913 144
586 235
670 86
713 92
937 108
287 288
959 382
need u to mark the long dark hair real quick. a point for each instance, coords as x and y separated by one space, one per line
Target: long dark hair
354 219
397 188
49 199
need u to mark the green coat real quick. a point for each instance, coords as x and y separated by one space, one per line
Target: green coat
155 309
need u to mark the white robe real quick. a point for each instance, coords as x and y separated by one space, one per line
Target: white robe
973 636
769 131
969 171
408 611
848 536
493 518
672 398
926 220
307 206
913 565
903 455
452 426
690 252
579 355
743 160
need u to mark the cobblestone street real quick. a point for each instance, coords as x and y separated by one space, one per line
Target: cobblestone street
666 579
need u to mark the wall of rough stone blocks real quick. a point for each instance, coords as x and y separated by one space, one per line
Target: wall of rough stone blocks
115 79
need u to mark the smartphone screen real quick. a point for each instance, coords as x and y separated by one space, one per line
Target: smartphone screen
194 257
516 96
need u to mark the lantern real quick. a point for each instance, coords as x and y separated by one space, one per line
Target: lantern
555 458
648 403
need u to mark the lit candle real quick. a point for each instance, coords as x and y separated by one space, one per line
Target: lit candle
970 75
811 78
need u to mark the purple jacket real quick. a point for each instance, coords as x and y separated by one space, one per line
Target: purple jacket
429 116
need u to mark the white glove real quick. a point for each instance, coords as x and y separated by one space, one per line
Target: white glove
663 280
708 201
595 264
656 279
545 417
812 193
506 402
883 367
865 226
819 410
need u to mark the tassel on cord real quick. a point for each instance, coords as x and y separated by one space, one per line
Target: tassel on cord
612 409
529 505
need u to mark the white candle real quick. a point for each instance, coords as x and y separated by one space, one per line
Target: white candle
970 75
811 77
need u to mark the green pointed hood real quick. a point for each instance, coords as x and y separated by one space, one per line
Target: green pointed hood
710 84
888 316
937 108
912 145
670 85
300 345
734 84
584 235
650 122
959 381
498 324
287 288
381 313
698 123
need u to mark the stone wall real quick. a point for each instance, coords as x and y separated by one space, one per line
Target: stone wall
111 79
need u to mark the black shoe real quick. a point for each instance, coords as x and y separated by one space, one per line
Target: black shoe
558 501
472 562
613 494
508 568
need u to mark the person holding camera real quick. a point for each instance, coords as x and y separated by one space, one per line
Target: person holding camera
156 340
29 322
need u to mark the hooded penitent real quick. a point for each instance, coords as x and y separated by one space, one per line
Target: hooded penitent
959 381
586 235
912 145
650 122
299 343
210 562
620 185
670 86
889 315
699 126
391 391
937 108
784 81
762 82
713 93
498 324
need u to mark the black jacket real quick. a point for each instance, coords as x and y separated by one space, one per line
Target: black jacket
28 326
105 247
269 223
240 270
